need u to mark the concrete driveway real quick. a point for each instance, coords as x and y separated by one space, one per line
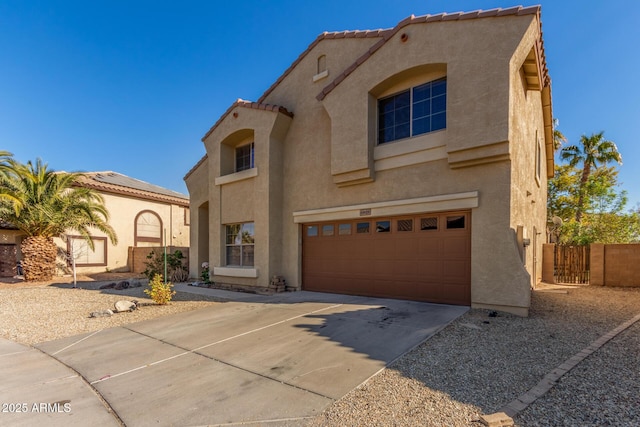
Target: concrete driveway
251 360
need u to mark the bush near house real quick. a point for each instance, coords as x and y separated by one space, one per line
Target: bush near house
176 270
161 293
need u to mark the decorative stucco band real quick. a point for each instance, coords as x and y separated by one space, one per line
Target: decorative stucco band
235 272
237 176
439 203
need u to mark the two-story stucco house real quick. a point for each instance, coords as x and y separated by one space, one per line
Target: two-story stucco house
405 163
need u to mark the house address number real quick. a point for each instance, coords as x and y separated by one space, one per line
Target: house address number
365 212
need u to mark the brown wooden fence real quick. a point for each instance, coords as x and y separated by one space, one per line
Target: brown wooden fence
571 264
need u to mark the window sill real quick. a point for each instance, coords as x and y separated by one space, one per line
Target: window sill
419 149
237 176
235 272
321 76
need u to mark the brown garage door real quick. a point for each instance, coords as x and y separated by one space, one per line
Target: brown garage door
420 257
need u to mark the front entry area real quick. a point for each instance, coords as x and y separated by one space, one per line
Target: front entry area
422 257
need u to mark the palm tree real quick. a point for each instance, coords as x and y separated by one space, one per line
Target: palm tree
558 136
594 152
44 204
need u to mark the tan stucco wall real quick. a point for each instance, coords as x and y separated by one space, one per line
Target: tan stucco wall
327 158
198 186
123 211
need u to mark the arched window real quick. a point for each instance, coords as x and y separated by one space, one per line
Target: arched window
148 229
322 64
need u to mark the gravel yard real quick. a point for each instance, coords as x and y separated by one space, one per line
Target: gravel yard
475 366
478 364
35 312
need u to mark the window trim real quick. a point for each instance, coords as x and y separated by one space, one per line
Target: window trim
412 119
252 164
538 160
146 239
241 245
89 264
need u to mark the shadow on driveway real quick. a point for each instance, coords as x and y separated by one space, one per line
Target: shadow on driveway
281 358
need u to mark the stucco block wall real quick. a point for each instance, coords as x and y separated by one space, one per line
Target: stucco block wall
138 256
615 265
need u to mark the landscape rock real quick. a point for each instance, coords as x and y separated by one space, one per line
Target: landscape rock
103 313
122 285
108 286
124 305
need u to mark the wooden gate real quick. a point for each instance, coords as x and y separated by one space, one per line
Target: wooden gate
572 264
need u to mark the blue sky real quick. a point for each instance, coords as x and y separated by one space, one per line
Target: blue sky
132 86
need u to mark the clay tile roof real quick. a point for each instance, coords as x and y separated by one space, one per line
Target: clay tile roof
247 104
116 183
386 35
196 166
324 36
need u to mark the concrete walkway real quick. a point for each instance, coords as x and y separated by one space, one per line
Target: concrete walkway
275 360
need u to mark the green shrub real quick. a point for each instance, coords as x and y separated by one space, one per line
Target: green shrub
160 292
176 271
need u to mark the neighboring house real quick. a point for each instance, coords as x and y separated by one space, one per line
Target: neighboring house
141 214
406 163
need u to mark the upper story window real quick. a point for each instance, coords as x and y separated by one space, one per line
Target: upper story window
413 112
244 157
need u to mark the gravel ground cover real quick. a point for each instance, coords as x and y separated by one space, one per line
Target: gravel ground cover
31 313
475 366
479 363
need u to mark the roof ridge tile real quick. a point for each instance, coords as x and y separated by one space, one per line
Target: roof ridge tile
456 16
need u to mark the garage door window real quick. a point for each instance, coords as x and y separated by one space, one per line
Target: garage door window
430 223
454 222
344 229
327 230
383 226
362 227
312 230
405 225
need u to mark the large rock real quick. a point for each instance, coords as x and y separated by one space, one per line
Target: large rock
124 305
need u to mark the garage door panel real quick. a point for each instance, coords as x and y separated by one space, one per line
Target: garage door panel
406 262
406 269
430 268
429 246
456 246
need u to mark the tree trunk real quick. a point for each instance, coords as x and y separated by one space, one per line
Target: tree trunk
38 258
586 172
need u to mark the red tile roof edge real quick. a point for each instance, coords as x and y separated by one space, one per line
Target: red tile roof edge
457 16
196 166
87 181
321 37
247 104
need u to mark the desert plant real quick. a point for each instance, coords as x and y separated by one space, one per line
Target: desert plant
44 204
204 275
175 269
160 292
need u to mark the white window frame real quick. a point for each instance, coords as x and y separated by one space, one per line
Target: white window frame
239 243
